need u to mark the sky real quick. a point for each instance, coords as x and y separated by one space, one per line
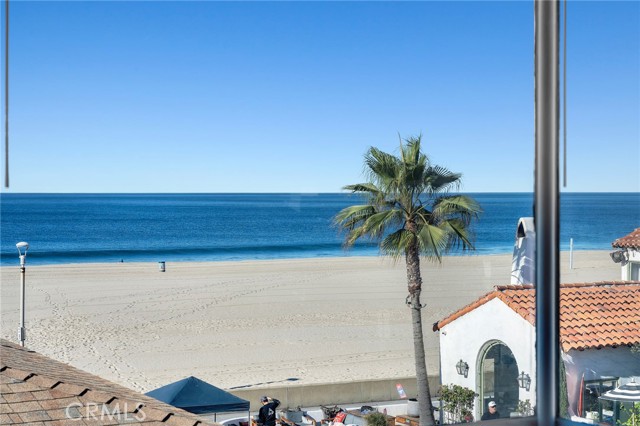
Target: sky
207 96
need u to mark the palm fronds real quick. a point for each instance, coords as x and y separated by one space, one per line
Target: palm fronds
407 205
394 244
433 241
438 179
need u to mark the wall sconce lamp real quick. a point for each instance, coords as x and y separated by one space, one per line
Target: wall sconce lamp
524 381
620 256
462 368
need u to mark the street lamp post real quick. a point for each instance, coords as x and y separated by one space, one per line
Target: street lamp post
23 255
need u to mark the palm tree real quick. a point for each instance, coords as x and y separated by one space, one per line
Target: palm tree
409 210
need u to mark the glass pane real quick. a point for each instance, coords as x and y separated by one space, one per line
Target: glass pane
598 303
634 271
186 161
179 166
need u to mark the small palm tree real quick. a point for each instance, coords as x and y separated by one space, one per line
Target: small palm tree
409 210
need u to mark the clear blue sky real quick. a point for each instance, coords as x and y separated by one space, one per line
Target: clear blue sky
288 96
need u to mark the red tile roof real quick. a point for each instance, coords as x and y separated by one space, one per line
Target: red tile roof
41 391
592 315
629 241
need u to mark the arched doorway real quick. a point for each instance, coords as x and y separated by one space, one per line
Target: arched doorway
498 379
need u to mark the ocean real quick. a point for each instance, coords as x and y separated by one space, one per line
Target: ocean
75 228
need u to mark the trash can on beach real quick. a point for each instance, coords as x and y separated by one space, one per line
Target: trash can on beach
161 266
413 408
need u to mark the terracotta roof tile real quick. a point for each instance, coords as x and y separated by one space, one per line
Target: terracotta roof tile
37 390
592 315
628 241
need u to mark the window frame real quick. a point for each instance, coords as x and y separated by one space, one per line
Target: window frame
633 270
547 209
546 217
600 382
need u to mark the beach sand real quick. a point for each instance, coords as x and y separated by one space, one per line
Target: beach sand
253 323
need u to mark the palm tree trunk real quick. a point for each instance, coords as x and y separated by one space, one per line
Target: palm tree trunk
414 281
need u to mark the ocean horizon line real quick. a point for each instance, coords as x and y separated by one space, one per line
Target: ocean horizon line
64 228
5 192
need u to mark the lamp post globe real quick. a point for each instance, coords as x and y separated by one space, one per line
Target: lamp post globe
22 251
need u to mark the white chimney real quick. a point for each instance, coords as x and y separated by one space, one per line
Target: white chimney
523 264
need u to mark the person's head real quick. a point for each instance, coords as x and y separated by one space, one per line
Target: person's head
492 407
264 400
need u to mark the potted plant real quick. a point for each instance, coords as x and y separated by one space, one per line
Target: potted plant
457 403
524 408
376 419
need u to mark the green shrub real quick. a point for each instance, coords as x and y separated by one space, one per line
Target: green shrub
458 403
631 413
376 419
524 408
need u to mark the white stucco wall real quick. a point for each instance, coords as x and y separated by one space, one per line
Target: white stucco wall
466 337
596 364
634 257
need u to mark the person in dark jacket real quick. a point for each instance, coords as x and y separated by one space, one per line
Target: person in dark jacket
267 413
492 413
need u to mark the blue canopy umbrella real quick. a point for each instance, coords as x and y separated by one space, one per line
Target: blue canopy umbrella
199 397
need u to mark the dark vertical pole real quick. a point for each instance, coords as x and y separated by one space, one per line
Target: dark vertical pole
547 209
6 94
564 95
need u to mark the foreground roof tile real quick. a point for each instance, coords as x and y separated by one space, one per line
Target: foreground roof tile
23 407
18 397
35 416
37 390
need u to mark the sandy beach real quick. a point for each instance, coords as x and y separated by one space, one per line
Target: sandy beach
254 323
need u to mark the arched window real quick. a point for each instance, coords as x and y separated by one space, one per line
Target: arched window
498 378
